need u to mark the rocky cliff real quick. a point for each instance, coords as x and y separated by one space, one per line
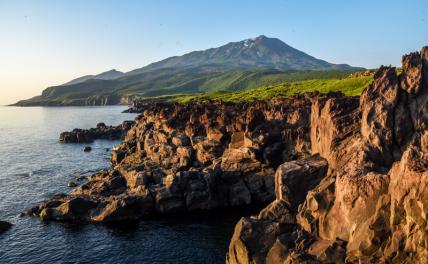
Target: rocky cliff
365 199
192 157
346 178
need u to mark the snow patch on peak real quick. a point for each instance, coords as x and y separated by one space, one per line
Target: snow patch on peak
249 43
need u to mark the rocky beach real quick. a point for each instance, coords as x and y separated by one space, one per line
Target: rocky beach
344 179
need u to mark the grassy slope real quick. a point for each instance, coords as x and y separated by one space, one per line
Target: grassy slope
167 82
349 86
210 80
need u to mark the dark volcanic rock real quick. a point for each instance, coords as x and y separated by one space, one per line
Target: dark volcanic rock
4 226
100 132
194 157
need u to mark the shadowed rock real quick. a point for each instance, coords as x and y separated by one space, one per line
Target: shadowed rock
197 156
100 132
4 226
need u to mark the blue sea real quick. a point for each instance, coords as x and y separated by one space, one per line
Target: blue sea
35 165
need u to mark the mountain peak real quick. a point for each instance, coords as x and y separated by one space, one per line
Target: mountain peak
259 37
111 74
256 39
260 52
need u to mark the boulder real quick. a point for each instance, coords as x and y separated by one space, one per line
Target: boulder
130 206
252 240
4 226
294 179
71 184
72 209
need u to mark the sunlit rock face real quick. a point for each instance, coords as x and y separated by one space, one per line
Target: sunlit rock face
371 204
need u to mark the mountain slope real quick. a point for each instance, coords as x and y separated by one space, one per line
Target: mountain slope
108 75
260 52
234 66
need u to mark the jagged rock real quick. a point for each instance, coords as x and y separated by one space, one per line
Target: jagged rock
252 240
370 207
377 104
194 157
333 120
293 180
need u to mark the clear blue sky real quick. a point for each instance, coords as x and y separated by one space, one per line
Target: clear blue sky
45 43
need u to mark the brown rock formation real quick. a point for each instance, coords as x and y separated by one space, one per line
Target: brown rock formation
371 205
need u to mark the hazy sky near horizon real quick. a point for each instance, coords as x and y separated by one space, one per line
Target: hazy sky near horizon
45 43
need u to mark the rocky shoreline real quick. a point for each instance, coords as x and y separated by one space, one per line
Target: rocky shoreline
190 157
101 131
345 178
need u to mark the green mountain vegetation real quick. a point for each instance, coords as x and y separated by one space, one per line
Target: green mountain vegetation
108 75
348 86
236 66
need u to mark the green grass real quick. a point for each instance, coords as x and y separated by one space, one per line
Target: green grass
348 86
203 84
171 82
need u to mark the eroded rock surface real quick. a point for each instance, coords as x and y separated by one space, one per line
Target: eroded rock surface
371 204
189 157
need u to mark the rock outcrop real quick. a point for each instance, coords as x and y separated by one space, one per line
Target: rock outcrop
189 157
100 132
371 204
